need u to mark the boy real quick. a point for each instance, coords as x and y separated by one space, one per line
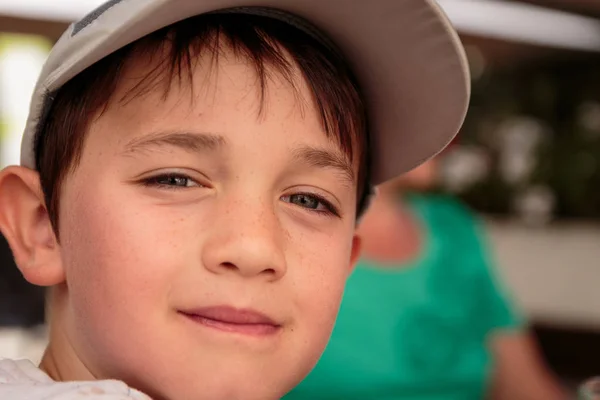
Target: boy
192 173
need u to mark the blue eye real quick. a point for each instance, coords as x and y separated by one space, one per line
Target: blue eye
311 202
174 181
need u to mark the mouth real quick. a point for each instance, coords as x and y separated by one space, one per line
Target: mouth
233 320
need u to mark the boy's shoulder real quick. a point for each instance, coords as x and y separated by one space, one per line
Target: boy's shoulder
20 371
22 380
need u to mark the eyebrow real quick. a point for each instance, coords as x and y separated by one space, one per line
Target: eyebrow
322 158
189 141
200 141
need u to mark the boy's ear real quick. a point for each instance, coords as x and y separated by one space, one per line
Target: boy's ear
25 224
356 251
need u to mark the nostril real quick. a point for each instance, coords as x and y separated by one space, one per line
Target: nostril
228 265
269 271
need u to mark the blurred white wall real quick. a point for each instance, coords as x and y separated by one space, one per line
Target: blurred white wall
21 59
553 271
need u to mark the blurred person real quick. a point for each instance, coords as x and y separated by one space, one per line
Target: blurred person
424 316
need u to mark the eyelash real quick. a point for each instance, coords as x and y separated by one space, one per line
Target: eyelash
155 181
330 209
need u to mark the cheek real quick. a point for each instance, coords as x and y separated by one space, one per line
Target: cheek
321 277
319 274
118 260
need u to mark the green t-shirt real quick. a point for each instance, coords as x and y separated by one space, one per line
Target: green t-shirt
418 331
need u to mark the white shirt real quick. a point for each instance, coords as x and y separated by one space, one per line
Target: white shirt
22 380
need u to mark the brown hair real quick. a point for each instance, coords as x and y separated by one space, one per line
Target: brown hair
263 41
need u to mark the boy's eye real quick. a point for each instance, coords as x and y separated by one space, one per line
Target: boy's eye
305 200
311 202
171 181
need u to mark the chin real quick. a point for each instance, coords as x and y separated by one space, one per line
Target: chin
238 391
249 385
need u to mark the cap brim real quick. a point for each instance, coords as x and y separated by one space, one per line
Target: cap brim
407 57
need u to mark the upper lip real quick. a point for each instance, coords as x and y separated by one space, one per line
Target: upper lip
232 315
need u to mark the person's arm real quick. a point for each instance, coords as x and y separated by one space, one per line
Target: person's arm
519 371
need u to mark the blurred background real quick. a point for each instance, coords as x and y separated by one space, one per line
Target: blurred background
527 160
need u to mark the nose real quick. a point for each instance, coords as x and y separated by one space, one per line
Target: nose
246 240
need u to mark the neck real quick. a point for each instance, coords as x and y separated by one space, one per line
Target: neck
60 361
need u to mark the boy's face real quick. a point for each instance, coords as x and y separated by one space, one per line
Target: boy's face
199 259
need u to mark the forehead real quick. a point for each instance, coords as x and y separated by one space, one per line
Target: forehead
219 91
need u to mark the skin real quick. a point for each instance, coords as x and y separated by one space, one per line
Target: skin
229 226
393 236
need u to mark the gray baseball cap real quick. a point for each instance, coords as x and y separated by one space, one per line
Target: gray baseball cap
407 57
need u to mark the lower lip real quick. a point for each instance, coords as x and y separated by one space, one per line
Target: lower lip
245 329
